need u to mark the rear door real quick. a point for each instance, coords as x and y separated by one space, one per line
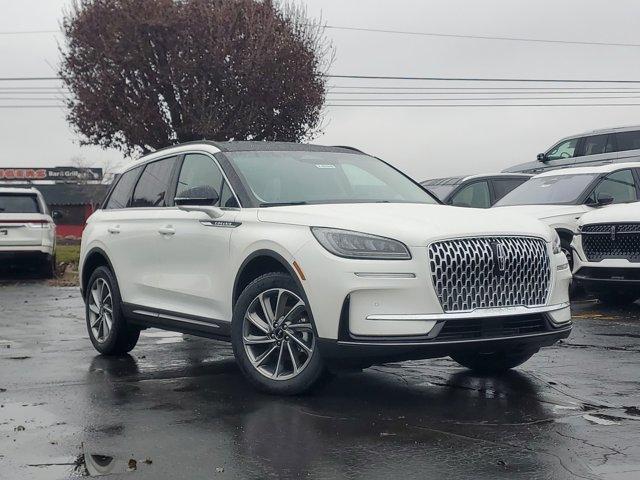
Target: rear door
597 149
22 220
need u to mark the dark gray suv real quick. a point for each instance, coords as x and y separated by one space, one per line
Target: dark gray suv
593 148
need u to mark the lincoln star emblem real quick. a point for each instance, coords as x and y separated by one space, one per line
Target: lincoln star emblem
499 257
613 233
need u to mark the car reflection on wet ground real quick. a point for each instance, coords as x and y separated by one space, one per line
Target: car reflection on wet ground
177 407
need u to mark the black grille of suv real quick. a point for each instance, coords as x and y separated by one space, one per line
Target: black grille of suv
495 327
611 240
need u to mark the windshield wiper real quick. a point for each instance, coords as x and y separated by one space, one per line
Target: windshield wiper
282 204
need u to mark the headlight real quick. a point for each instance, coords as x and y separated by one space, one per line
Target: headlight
348 244
555 243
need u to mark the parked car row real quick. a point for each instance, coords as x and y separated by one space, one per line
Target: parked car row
602 245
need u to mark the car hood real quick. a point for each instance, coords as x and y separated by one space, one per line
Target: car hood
413 224
626 212
542 212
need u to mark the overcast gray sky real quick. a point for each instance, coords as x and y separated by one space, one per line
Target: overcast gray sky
425 142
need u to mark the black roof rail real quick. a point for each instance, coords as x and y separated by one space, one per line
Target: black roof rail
347 147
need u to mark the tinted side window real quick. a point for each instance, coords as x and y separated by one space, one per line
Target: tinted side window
564 149
504 185
620 185
595 145
154 182
628 141
198 173
122 191
475 195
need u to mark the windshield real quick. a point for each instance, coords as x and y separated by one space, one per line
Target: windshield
17 203
298 177
549 190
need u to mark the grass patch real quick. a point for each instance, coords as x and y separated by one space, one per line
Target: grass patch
68 254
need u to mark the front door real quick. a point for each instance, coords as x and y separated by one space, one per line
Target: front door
192 271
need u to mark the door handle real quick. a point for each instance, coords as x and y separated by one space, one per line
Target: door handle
167 231
114 230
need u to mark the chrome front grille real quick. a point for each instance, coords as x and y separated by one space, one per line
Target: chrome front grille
490 272
611 240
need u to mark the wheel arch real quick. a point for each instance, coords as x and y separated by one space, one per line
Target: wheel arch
258 263
96 257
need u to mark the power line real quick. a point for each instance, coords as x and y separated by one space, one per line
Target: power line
481 37
412 33
495 92
27 79
477 99
488 105
390 77
384 87
32 106
28 32
479 79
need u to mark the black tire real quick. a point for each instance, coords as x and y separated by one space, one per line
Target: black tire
493 362
121 338
617 297
313 372
49 266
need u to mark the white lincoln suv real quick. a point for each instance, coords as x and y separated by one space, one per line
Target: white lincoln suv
310 259
607 246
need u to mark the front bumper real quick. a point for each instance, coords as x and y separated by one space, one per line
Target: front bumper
452 335
607 273
393 298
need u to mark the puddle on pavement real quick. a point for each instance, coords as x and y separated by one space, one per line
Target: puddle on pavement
98 465
165 337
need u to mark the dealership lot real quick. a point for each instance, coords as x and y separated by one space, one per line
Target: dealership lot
179 406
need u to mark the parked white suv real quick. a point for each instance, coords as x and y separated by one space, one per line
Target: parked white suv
607 260
310 258
27 231
560 197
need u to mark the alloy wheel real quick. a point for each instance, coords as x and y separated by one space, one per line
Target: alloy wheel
100 310
277 334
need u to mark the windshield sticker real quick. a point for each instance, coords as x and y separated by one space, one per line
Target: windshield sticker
324 165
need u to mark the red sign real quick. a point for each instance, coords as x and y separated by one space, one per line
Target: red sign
57 174
23 173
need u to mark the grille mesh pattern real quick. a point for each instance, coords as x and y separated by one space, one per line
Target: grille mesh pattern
465 276
611 240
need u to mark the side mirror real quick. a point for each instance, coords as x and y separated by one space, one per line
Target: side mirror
204 195
56 215
200 199
542 157
604 199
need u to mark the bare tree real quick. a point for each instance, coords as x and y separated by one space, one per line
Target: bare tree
145 74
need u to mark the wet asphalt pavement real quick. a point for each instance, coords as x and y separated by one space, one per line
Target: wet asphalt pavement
179 408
